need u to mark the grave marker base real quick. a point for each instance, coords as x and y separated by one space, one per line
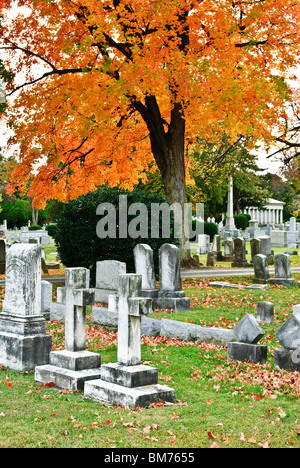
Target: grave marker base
69 370
283 282
141 396
24 343
175 303
287 359
247 352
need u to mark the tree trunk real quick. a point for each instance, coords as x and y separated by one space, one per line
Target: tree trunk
169 153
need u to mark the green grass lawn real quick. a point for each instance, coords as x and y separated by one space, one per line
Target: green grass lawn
219 403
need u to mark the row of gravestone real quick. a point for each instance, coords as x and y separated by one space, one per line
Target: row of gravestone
283 270
169 296
235 250
25 345
248 333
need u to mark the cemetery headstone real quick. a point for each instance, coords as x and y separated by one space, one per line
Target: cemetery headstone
107 284
288 334
248 332
265 312
24 343
279 238
255 248
128 382
70 368
107 279
265 249
203 244
283 271
261 269
216 247
2 256
293 234
171 295
144 266
210 260
228 249
240 253
46 298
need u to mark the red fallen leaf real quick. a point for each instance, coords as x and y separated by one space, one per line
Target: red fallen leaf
107 422
52 415
48 384
173 440
210 435
9 384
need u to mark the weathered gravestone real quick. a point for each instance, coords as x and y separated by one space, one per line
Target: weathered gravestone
216 247
210 259
240 253
265 312
283 271
24 343
288 334
228 249
144 266
107 284
74 365
171 295
107 279
248 332
265 249
261 269
2 256
128 382
255 248
46 298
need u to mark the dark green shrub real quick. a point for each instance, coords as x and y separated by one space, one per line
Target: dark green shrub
76 238
35 227
211 229
51 229
241 221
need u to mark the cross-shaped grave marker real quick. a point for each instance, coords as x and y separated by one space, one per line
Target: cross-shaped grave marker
128 382
71 367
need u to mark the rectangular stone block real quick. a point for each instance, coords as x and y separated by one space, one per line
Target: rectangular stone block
247 352
75 361
24 353
176 304
65 378
140 397
287 359
129 376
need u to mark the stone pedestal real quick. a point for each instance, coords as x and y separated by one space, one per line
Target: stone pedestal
247 352
128 382
70 370
24 343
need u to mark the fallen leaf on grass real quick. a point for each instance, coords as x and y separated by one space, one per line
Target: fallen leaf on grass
251 440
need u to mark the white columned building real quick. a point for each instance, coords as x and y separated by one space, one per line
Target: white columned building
272 213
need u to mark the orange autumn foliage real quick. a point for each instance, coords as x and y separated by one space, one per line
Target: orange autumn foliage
108 85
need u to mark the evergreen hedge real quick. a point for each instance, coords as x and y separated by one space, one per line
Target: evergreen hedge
76 238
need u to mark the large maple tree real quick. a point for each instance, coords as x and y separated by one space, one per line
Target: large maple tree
109 85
